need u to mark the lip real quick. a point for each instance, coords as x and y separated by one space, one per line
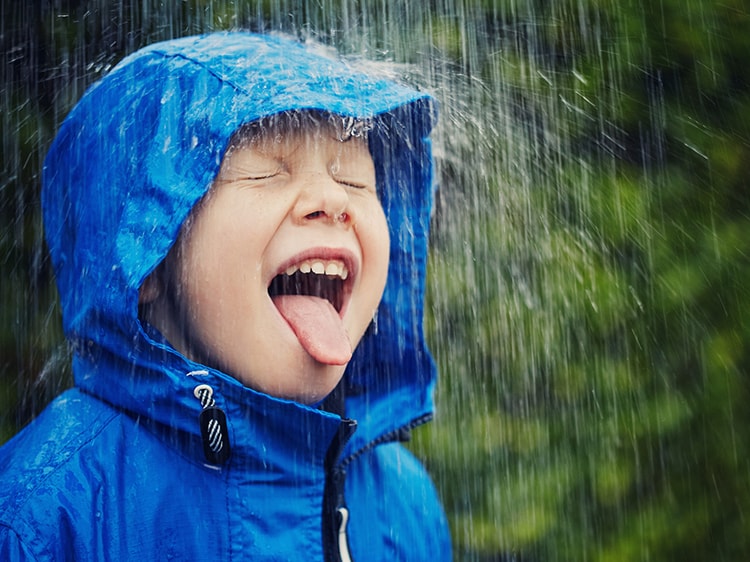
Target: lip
349 258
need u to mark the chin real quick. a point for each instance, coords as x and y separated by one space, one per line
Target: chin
319 383
313 382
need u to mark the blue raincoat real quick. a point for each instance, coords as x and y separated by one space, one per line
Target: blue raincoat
133 463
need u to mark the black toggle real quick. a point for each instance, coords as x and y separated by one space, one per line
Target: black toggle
215 435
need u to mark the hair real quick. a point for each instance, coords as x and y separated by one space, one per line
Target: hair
344 127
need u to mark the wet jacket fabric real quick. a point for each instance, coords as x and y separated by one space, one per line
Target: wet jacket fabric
122 467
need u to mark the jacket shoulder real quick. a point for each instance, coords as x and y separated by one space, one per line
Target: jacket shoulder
32 462
12 548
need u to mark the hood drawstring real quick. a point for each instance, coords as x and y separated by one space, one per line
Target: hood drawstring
213 424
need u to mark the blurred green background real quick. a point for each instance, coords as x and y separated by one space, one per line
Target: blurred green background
588 293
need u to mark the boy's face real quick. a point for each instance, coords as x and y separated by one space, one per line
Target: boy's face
279 270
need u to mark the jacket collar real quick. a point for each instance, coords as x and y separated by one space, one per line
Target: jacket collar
158 385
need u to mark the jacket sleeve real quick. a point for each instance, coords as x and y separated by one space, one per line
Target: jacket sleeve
395 512
11 547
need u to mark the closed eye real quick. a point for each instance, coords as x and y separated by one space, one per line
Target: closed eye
253 177
258 177
353 183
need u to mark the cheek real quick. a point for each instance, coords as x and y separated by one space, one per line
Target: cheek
204 271
384 242
375 241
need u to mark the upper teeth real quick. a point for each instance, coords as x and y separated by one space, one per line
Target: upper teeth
333 268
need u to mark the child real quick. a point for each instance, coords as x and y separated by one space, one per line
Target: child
224 214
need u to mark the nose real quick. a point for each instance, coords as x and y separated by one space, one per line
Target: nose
323 199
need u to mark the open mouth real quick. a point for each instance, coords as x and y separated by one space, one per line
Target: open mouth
325 279
312 296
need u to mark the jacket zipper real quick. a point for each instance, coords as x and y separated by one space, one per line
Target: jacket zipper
335 512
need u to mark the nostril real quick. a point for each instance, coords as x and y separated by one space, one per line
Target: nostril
338 217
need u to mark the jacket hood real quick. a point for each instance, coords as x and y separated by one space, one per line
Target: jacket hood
142 147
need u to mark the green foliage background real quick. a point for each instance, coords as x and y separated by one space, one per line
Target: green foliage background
587 292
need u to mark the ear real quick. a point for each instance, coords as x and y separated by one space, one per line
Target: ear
151 289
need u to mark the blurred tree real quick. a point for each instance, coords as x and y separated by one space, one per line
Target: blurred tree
589 314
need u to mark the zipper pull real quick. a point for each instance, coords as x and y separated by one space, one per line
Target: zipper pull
343 515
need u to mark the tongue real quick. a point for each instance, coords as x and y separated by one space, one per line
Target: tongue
317 326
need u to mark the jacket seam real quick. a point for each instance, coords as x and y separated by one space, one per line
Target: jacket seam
148 425
228 507
388 437
68 457
203 66
11 529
